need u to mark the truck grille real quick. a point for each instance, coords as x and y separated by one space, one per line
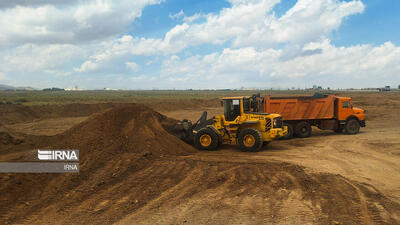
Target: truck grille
278 122
268 125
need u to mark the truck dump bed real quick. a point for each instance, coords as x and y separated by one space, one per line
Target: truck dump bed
301 108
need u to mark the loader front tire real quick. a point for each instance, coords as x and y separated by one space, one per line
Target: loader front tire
250 140
206 139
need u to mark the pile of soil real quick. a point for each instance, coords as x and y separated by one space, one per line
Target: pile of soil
131 128
112 144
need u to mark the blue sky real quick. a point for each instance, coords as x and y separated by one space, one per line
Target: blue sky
378 24
207 44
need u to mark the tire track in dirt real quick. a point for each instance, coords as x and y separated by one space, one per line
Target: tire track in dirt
271 192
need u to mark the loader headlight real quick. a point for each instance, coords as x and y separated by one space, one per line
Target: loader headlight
277 122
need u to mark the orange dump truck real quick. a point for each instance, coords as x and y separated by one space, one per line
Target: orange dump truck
327 112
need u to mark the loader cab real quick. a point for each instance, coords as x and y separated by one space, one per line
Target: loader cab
236 106
232 108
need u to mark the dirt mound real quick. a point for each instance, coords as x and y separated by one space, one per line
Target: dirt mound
131 128
112 144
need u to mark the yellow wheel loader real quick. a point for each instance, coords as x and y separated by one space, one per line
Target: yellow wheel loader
240 124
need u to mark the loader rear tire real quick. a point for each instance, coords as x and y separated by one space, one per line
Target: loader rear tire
303 130
206 139
250 140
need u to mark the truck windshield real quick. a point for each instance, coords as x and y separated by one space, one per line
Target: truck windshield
345 104
231 109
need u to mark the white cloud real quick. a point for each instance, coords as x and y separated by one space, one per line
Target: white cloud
252 22
193 18
2 76
87 66
309 21
127 45
247 66
176 16
133 66
14 3
246 24
32 58
72 23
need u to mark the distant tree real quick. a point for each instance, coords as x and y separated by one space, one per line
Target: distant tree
53 89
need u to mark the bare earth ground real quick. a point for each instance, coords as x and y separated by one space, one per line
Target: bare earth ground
328 178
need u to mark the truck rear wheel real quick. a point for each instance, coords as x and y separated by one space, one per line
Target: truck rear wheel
303 130
250 140
290 131
206 139
352 126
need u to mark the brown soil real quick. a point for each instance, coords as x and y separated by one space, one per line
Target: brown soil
46 127
11 114
112 145
133 171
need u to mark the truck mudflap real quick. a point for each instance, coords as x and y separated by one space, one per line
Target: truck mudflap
362 123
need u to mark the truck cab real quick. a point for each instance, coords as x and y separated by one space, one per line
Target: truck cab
345 112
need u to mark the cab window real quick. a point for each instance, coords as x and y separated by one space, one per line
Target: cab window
246 105
231 109
346 104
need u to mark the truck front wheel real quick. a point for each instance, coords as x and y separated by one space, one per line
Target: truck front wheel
352 126
303 130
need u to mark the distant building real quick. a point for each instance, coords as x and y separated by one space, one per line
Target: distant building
73 89
386 88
